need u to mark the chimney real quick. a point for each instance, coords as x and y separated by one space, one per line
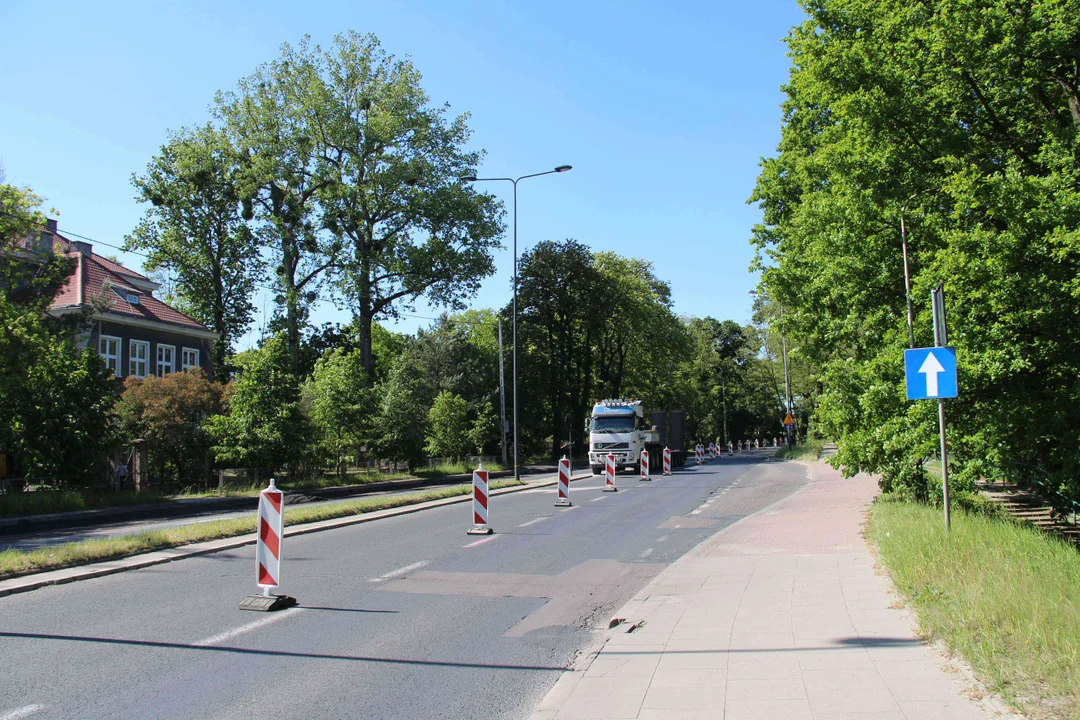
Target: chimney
83 248
50 225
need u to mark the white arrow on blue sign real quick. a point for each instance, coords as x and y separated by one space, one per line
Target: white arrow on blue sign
931 373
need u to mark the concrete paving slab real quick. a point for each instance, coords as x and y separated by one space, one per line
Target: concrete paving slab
782 615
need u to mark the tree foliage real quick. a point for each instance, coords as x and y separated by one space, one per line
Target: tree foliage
264 427
171 413
448 426
194 230
56 399
960 120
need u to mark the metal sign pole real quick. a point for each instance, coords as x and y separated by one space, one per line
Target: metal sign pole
937 302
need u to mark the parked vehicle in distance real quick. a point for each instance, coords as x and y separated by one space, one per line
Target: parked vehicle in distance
622 428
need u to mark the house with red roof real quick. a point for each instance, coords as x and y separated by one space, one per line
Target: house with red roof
136 333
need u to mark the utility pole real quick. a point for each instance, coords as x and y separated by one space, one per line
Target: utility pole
787 382
941 339
723 391
502 396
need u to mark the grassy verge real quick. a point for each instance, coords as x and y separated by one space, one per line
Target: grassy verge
809 450
1003 595
18 562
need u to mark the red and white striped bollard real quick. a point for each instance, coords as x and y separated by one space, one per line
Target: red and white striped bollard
480 502
644 463
609 474
667 461
269 535
564 484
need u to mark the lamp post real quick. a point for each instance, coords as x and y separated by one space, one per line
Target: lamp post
515 181
787 374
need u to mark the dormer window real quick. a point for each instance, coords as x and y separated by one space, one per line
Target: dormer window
129 296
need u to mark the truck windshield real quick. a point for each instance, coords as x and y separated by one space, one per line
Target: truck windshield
612 424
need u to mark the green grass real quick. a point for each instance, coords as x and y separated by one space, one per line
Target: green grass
809 450
455 469
1003 595
18 562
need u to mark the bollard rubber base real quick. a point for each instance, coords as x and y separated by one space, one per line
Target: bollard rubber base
648 479
563 503
267 603
480 531
611 489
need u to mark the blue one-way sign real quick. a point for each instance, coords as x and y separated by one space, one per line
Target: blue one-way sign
931 373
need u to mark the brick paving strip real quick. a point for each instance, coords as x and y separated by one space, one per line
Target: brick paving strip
781 616
26 583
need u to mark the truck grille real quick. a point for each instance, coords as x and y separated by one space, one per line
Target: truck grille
611 446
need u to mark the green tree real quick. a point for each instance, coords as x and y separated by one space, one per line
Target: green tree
273 125
448 426
484 431
642 340
342 404
56 399
170 413
401 423
264 427
391 193
558 328
961 121
194 231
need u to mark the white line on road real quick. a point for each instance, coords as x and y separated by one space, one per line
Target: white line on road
399 571
24 711
481 542
647 553
534 521
598 499
662 538
249 627
677 527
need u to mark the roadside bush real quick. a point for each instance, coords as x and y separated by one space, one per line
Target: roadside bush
170 413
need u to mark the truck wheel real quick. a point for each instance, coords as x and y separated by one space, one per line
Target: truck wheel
636 468
597 469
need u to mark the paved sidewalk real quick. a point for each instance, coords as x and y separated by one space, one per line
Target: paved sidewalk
780 616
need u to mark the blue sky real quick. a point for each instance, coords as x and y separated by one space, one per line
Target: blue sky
663 109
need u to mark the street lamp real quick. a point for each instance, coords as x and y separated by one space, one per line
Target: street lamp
787 375
473 178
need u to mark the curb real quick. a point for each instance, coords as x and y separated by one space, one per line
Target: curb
27 583
194 507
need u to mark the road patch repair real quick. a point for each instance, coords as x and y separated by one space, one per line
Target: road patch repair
26 583
780 615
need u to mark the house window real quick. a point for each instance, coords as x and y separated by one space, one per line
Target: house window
109 349
190 359
138 358
166 359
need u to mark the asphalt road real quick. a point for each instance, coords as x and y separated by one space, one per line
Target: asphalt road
406 617
48 538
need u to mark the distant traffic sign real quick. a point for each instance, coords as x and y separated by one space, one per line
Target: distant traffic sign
788 420
931 373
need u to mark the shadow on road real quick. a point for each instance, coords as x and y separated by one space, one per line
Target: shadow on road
277 653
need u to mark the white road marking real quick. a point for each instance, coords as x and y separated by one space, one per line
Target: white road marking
677 527
662 538
647 553
534 521
481 542
276 617
24 711
399 571
598 499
